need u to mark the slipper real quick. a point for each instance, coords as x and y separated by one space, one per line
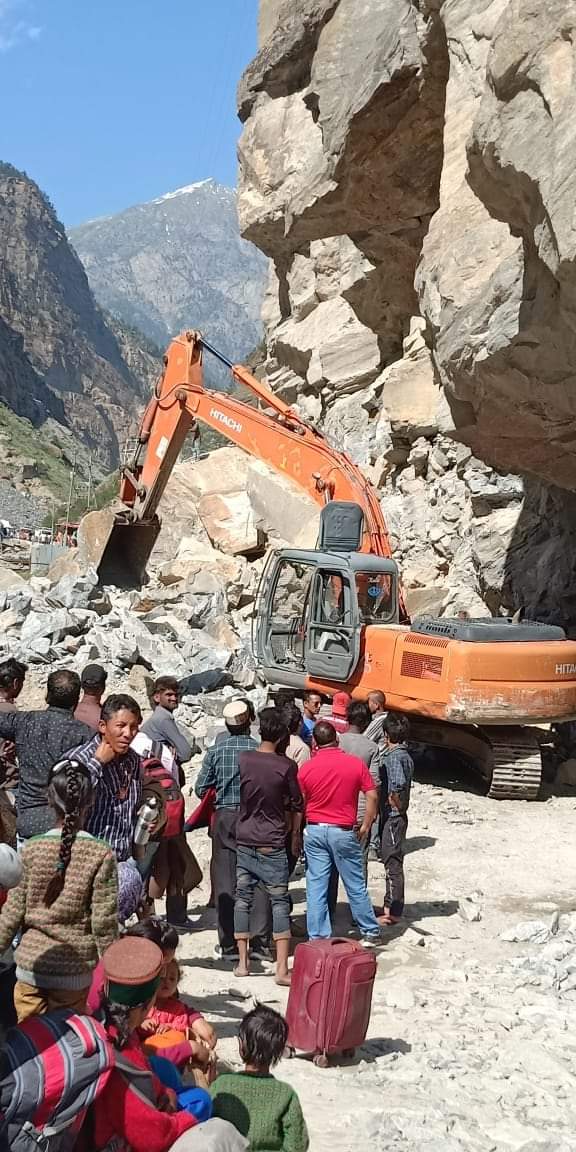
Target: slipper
240 975
387 920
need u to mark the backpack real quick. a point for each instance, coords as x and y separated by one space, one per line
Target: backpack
52 1069
156 774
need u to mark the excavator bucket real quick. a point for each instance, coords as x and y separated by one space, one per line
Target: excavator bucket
118 549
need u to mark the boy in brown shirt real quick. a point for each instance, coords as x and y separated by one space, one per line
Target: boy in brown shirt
270 803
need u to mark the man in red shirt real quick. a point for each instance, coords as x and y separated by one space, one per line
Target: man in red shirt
331 783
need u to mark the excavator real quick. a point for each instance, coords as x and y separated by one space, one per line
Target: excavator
333 617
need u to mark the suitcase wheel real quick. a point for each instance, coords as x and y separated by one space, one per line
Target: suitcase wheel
320 1060
289 1052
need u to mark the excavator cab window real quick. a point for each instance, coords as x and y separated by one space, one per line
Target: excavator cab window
332 606
377 597
332 647
286 614
306 620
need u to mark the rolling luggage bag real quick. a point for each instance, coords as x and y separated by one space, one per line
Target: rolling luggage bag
330 997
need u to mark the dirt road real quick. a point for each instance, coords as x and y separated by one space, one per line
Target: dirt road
472 1041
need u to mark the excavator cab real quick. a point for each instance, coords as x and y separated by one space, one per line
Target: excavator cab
313 606
312 610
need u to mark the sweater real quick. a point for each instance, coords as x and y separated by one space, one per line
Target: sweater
61 945
128 1119
263 1109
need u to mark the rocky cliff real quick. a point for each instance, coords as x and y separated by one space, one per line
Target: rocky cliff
406 164
58 356
178 262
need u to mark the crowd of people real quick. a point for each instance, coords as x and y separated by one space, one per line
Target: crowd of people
93 832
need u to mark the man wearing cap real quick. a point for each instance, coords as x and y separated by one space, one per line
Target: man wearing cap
338 717
93 683
220 771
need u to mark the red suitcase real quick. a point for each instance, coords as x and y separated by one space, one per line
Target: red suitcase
330 997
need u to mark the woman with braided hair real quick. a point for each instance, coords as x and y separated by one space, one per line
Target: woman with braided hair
66 905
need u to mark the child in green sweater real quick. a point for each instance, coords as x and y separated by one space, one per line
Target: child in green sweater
263 1109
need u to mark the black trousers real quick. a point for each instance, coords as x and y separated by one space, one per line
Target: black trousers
393 837
8 1017
223 871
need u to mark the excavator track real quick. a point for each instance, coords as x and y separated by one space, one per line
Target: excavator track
517 764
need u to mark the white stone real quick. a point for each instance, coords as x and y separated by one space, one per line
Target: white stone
229 522
330 346
534 931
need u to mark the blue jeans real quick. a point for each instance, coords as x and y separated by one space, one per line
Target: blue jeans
327 846
255 866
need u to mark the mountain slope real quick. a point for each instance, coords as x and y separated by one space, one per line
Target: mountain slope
58 356
178 262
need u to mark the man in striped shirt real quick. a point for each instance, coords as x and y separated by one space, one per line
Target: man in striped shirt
377 705
116 772
375 732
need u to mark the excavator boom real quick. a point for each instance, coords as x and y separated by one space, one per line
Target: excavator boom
274 433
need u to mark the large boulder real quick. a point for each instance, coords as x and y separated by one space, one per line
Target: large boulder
330 348
10 579
497 277
229 522
220 473
285 511
409 393
395 137
208 572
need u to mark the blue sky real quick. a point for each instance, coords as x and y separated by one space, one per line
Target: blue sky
108 103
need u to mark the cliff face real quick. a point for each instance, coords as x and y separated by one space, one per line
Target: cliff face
58 357
502 308
407 165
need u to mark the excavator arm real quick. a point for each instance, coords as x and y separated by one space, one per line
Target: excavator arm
272 432
276 435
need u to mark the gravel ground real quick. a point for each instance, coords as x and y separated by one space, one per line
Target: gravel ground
472 1040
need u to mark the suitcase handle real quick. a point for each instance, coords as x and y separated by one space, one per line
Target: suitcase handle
334 941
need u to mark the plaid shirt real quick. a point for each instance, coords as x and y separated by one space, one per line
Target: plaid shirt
117 796
220 770
396 768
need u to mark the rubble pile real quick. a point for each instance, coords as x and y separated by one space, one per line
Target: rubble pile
195 627
192 619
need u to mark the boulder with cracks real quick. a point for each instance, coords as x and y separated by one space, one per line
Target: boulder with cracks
408 168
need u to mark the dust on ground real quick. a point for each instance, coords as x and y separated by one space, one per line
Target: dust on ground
472 1039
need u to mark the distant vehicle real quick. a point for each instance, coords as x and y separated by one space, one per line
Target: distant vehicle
43 536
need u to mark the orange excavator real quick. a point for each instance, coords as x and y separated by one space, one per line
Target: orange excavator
333 617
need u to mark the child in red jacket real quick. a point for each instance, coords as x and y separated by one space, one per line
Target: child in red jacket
171 1021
